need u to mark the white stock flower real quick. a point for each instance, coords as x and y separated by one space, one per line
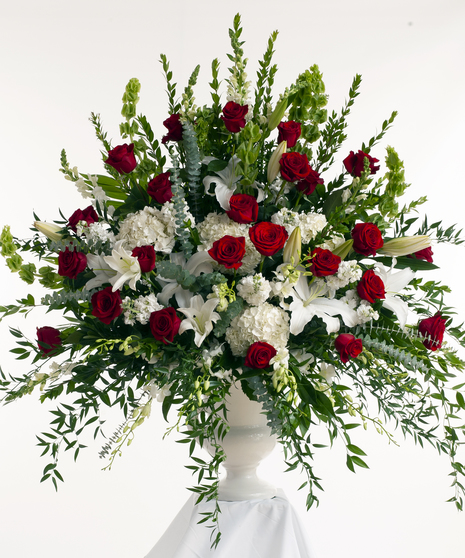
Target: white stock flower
127 267
254 289
199 317
97 231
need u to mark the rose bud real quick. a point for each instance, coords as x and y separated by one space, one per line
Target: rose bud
354 163
294 166
164 324
228 251
106 305
433 330
234 116
48 336
259 355
371 287
308 185
289 131
243 209
324 263
146 257
367 239
159 188
425 254
174 126
122 158
348 346
268 238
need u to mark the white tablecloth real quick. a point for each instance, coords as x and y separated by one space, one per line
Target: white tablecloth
250 529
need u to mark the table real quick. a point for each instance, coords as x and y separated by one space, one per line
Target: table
250 529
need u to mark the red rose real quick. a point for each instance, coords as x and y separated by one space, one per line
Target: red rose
259 355
174 125
367 239
106 305
228 251
244 208
159 188
89 215
122 158
348 346
71 263
290 132
164 324
425 254
234 116
268 238
433 329
371 287
48 339
309 183
324 263
294 166
146 256
354 163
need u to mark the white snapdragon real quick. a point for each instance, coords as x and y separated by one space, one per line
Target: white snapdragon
266 323
255 290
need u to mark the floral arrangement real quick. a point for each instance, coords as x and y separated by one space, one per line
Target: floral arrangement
238 248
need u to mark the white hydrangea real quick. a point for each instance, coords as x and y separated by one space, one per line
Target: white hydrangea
97 231
310 223
254 289
266 323
215 227
151 226
140 309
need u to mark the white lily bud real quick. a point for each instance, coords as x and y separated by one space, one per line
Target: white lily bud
50 230
278 114
405 246
343 249
273 163
293 248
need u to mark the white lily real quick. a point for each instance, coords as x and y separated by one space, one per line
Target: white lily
393 284
103 272
199 317
310 300
200 262
225 183
127 267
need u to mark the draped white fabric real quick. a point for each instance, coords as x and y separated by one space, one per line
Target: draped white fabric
250 529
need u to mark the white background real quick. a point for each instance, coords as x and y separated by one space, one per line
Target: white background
62 60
